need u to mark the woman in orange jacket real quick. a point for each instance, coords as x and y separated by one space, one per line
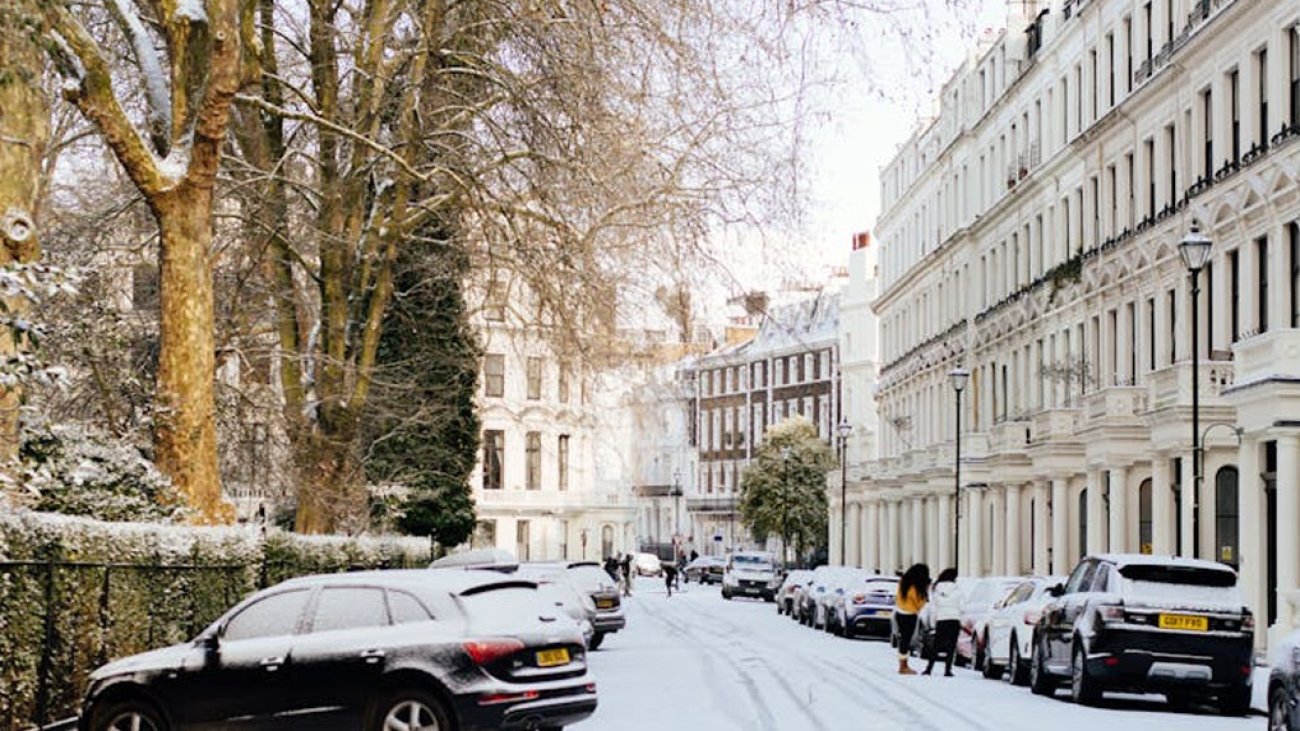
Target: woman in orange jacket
913 592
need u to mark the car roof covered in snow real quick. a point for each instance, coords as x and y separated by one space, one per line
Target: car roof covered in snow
454 582
495 559
1142 559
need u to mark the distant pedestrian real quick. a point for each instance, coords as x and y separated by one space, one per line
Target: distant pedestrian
947 615
626 566
670 577
694 554
913 592
611 568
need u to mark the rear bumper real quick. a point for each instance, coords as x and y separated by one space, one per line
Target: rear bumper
560 710
1150 662
609 622
872 621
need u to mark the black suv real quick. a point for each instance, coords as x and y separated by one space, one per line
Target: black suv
364 652
1136 623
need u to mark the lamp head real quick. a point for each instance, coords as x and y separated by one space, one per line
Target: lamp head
844 429
1195 249
959 377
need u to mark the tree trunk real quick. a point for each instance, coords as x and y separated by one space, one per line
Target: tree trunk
24 134
332 492
185 435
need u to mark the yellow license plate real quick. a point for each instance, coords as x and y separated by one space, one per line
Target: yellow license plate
1184 621
604 603
551 658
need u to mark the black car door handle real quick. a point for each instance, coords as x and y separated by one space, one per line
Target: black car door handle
272 663
372 657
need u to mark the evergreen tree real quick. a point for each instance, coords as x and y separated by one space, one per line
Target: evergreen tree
423 432
783 491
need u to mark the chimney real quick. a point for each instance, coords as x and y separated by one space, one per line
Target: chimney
861 240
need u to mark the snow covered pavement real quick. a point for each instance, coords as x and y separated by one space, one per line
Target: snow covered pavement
696 661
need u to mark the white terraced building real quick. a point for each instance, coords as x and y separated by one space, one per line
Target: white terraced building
1030 235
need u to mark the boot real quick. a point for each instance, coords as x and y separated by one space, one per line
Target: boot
947 666
903 668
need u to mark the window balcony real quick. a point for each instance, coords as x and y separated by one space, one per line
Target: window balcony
1274 354
1053 425
1171 387
1115 406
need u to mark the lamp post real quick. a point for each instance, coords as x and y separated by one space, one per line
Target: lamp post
1195 251
785 504
843 431
676 494
958 376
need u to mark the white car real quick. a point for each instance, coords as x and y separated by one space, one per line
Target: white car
647 564
1008 634
751 573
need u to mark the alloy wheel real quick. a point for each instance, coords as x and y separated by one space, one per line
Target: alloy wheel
411 715
131 721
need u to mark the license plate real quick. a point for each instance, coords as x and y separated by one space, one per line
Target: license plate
604 603
551 658
1184 621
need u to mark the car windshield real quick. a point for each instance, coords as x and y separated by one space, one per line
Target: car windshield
1190 584
989 592
757 563
591 578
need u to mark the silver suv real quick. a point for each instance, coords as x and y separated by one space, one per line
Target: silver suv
751 573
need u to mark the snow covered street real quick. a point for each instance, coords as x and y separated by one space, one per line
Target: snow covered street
709 664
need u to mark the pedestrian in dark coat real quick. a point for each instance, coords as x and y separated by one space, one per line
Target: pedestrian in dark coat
670 577
947 615
626 565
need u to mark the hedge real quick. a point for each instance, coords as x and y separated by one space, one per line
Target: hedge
75 593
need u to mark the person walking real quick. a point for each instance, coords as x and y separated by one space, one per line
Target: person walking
626 566
947 615
670 576
913 593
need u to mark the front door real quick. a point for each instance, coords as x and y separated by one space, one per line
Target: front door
339 659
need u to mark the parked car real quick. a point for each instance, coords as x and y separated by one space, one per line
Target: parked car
705 570
647 564
1146 624
369 650
864 607
785 593
1007 637
975 610
588 577
806 598
1284 685
826 580
556 586
750 573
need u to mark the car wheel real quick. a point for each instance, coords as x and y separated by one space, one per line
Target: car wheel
409 709
726 594
1279 710
1040 683
1236 702
127 715
1083 688
1017 668
596 639
990 668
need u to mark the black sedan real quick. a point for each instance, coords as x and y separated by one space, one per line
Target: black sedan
1284 686
373 651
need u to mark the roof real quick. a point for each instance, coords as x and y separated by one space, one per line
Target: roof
478 558
455 582
1142 559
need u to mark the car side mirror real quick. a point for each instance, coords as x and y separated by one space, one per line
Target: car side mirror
1057 591
211 642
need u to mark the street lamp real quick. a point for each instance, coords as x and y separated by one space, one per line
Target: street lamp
959 376
676 493
844 430
785 504
1195 252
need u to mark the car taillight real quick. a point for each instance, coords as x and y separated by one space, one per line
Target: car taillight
486 651
1032 616
492 699
859 598
1111 613
1248 622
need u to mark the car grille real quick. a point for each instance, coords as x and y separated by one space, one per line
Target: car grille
745 584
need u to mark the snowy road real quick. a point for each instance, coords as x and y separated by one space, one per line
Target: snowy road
696 661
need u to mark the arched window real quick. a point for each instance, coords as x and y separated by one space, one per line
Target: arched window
607 541
1083 522
1225 515
1144 517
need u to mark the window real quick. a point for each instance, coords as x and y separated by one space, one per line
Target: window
1261 275
562 383
1225 515
562 455
494 375
494 452
1234 100
1146 13
495 309
1295 76
533 460
1081 577
485 534
1083 533
1170 139
1207 122
534 378
1110 54
1261 73
274 616
1294 230
1234 295
1145 519
349 607
1151 334
1206 308
1149 150
406 609
523 540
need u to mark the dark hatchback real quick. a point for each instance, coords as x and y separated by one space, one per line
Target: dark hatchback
375 650
1147 624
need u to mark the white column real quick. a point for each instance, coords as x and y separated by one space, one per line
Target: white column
944 532
1012 565
1162 505
1288 517
1060 527
1042 494
904 535
975 536
1118 505
918 530
932 530
1252 541
872 559
1188 501
1096 540
891 537
998 531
